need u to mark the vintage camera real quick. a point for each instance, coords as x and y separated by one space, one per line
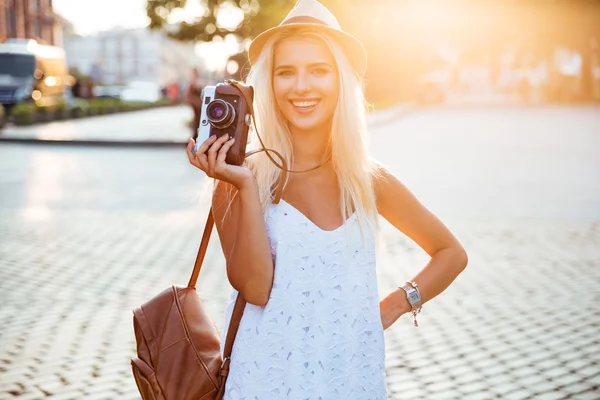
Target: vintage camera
226 112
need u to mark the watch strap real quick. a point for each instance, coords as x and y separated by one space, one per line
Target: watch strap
414 298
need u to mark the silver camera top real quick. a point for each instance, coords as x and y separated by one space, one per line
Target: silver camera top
208 94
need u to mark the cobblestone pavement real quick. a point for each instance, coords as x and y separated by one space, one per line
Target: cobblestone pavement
88 234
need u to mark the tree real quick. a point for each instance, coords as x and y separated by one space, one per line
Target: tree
258 16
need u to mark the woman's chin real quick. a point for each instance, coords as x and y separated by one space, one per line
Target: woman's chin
306 124
305 127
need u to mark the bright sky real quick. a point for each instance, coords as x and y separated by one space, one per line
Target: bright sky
91 16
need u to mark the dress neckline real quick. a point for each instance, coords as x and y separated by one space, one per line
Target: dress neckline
302 215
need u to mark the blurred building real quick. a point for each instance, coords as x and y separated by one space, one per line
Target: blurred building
124 55
31 19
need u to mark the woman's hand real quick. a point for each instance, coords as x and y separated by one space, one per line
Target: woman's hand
210 158
392 307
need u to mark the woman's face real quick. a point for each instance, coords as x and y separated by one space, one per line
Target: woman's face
305 83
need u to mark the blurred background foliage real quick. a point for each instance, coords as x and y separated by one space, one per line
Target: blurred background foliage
258 16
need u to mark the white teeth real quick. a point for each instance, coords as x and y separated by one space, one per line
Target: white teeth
304 103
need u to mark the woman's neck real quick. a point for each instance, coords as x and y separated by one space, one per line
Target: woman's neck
310 147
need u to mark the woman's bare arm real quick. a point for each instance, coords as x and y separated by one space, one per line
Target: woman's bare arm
241 226
397 204
244 240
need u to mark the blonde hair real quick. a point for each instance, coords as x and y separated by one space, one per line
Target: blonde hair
348 145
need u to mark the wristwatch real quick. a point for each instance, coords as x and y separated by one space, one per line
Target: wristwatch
414 298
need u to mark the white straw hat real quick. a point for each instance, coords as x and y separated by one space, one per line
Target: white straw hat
314 14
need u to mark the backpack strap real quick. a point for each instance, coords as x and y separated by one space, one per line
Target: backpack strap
210 222
240 303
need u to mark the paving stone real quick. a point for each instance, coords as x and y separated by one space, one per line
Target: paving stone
566 380
499 390
403 385
441 386
68 393
518 393
447 394
415 393
542 387
12 389
588 372
498 379
576 388
590 394
482 394
557 394
50 385
472 387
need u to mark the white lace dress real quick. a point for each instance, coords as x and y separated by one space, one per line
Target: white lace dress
320 335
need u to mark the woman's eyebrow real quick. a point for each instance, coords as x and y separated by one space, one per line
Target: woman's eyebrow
317 64
320 64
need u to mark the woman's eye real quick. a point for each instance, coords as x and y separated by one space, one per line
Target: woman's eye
285 73
320 71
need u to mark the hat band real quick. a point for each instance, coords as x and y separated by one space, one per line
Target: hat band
303 20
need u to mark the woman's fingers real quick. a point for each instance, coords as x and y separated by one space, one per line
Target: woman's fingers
223 151
206 144
212 154
199 159
191 157
202 161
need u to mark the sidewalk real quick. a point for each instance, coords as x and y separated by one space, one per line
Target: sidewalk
159 127
162 127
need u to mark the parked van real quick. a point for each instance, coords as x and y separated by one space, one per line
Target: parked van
32 72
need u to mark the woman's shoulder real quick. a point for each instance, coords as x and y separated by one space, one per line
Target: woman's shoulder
380 174
386 185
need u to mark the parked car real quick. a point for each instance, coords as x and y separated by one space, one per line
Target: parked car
108 92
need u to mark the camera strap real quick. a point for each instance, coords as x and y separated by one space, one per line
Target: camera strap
284 170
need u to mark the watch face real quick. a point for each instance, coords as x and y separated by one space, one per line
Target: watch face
414 297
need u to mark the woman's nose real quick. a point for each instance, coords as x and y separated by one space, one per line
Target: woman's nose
302 83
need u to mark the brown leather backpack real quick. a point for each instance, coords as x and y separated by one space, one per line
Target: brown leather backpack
178 344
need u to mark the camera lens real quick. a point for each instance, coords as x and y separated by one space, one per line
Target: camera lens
217 112
220 113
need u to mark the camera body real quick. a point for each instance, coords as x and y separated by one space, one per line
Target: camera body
226 112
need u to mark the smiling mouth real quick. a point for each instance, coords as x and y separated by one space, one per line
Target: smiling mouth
305 106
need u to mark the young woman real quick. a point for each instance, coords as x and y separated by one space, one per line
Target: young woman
313 324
